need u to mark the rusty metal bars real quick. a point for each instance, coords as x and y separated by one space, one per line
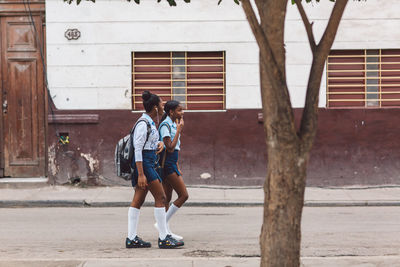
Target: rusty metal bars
346 76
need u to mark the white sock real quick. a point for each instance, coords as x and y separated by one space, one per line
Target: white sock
133 220
159 214
171 211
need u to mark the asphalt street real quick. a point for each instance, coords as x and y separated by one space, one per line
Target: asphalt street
81 234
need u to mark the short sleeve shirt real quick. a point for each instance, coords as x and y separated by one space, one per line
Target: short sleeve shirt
164 131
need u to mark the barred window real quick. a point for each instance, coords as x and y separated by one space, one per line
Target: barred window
196 79
363 78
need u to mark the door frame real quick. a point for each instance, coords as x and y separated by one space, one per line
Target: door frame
1 108
19 8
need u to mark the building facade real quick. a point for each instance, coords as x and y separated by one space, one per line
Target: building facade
101 56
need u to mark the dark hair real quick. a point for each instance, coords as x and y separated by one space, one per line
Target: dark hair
170 105
150 100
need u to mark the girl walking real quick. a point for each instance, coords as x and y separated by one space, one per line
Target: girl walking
146 145
170 129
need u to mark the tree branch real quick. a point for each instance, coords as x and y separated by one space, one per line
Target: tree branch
327 39
274 89
309 119
260 7
307 25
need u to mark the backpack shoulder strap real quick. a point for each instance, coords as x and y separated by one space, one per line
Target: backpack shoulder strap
166 124
148 128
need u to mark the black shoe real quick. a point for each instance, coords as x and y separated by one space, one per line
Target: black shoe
169 242
137 242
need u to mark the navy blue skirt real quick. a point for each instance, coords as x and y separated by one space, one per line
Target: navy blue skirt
170 166
149 167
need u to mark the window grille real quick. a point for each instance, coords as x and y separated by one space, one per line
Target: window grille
363 78
196 79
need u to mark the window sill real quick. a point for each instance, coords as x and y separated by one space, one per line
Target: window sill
73 119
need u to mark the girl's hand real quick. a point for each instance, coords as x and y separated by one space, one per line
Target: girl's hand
142 182
180 124
160 147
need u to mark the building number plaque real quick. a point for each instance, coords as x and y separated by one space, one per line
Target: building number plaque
72 34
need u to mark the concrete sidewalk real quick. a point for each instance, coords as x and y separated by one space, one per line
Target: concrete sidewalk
349 261
201 195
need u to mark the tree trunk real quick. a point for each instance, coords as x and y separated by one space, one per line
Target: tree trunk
283 204
288 150
284 186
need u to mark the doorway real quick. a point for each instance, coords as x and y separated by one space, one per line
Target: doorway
22 95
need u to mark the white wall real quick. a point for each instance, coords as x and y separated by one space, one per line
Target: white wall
94 72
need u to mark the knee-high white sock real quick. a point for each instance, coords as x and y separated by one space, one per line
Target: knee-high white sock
171 211
159 214
133 220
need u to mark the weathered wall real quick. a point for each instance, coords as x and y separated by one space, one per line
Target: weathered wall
93 75
356 147
94 72
216 143
352 147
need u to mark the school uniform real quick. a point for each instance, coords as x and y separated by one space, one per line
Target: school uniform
171 159
145 151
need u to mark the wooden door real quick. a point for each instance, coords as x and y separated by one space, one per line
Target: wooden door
22 97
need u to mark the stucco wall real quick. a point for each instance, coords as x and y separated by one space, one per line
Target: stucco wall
92 75
94 72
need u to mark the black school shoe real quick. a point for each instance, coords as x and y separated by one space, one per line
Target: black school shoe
169 242
137 242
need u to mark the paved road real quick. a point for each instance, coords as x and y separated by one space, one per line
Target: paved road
214 232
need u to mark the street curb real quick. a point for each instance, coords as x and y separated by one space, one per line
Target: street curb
85 204
137 262
40 203
355 203
110 204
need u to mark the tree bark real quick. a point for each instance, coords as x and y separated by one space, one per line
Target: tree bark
283 188
284 195
288 150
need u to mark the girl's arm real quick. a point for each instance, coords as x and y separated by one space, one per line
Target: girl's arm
142 182
167 140
139 139
171 145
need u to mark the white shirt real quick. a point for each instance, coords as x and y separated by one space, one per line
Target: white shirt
164 132
139 137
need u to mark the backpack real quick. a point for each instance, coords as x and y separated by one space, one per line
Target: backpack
124 152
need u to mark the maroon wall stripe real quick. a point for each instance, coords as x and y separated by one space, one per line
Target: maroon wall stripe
352 147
